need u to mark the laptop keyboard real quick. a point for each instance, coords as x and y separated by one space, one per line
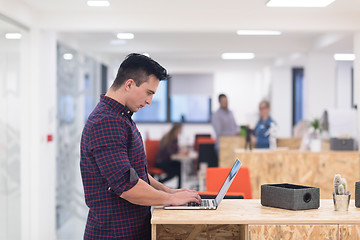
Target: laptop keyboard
204 203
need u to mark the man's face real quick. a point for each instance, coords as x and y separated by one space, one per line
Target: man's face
142 95
224 102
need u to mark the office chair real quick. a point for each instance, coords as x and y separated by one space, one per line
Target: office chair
215 177
151 149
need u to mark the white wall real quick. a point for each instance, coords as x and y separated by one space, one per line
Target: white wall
319 85
281 100
244 89
38 115
343 85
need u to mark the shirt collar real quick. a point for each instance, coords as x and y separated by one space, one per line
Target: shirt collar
116 106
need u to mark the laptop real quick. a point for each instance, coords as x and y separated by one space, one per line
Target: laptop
211 204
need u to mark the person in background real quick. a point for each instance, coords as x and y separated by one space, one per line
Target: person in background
261 132
169 146
118 189
223 121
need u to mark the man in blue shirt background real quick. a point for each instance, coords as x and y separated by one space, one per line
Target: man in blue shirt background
261 132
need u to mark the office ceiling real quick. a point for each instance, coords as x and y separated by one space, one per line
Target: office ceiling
189 31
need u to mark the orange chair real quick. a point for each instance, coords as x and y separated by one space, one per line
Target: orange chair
203 140
215 177
151 149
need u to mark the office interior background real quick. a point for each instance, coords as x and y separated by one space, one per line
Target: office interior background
68 53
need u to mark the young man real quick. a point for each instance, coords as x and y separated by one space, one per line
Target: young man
223 121
118 188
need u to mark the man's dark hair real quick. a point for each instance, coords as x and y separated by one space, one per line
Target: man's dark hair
221 96
138 67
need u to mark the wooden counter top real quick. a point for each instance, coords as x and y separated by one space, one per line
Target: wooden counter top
250 211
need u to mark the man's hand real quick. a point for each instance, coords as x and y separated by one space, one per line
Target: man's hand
183 196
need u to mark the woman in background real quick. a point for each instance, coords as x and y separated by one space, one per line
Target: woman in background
169 146
261 133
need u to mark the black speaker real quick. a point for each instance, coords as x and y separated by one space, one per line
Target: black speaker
357 194
290 196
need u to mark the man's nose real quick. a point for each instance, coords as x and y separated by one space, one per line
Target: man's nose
149 100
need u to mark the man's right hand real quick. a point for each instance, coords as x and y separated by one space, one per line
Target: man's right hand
183 196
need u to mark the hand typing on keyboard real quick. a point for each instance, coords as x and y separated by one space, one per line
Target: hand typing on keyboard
185 196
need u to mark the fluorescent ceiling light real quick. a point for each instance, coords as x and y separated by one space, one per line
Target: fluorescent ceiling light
98 3
298 3
68 56
237 56
344 57
125 35
13 35
117 42
258 32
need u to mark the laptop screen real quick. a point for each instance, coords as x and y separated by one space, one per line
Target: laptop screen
228 182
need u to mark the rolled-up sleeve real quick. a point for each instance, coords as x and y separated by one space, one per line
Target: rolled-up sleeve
109 147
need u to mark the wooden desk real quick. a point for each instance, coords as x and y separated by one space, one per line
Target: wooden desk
248 219
315 169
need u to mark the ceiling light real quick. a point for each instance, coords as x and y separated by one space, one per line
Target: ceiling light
13 35
258 32
125 36
98 3
68 56
117 42
298 3
237 56
344 57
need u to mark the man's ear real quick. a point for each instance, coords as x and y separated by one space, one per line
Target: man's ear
129 84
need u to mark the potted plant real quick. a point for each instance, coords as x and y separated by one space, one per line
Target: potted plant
315 135
341 197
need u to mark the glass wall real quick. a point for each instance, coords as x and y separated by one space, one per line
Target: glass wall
78 90
10 133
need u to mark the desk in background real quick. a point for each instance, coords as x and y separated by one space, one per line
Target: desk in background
248 219
188 170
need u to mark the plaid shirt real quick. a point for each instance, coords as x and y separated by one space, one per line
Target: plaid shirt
111 148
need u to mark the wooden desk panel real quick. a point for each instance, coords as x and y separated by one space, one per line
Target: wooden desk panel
296 167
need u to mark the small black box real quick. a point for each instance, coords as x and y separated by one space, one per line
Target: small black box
339 144
357 194
290 196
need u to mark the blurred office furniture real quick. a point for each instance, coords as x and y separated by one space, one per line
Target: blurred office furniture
188 167
241 186
227 145
289 143
315 169
342 122
301 128
151 149
207 152
201 137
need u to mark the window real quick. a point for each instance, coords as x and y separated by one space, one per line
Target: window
190 108
298 81
157 111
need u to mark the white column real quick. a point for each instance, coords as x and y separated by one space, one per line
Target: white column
281 100
357 81
38 160
319 81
